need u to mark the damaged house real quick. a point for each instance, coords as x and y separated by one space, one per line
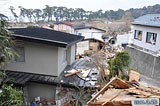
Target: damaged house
87 46
118 92
145 46
90 32
43 56
93 41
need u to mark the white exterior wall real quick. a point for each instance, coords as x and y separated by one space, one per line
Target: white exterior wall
82 46
43 59
143 43
39 58
63 27
91 33
122 39
71 53
61 64
70 57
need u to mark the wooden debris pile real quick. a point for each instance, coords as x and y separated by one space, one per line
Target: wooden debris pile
120 93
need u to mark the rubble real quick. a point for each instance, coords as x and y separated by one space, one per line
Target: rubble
94 72
83 73
121 93
65 96
73 72
79 80
134 76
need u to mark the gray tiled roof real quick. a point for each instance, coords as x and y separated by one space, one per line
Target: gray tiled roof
21 78
148 20
75 79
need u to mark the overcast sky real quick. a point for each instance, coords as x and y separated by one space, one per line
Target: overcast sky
93 5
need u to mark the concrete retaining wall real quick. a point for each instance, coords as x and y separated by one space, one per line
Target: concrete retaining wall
147 64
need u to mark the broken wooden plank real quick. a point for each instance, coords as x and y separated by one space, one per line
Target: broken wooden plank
118 103
76 72
139 92
119 83
151 90
134 76
114 96
108 95
102 90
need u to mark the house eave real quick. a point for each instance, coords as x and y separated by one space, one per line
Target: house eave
42 41
147 25
75 42
90 28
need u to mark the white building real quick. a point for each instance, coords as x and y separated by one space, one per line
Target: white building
90 32
146 32
123 39
90 45
64 27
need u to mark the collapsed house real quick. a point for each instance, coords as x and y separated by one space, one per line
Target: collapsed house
43 54
121 93
83 75
88 46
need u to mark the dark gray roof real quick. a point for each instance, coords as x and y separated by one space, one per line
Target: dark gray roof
47 36
75 79
148 20
21 78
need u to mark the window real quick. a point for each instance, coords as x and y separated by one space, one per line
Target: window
138 35
21 54
151 38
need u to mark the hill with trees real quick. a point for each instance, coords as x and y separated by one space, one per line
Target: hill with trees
54 13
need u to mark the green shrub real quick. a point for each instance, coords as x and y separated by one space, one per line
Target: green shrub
118 63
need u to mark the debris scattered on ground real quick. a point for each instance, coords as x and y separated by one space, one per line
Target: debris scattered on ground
84 72
121 93
38 101
65 96
134 76
116 92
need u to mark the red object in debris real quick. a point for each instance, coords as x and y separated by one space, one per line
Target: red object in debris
135 82
50 101
97 86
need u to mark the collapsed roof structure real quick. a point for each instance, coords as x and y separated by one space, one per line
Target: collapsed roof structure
121 93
